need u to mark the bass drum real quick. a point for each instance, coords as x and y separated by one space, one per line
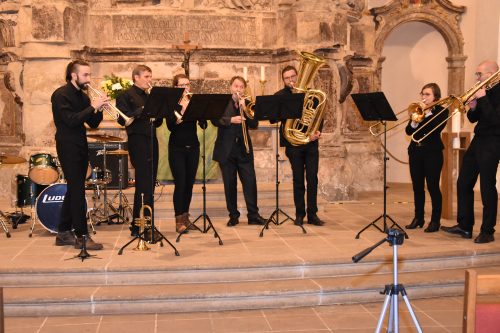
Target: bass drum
49 204
27 191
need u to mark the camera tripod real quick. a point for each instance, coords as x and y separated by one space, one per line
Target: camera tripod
391 291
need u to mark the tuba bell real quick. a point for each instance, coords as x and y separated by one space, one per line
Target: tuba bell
298 131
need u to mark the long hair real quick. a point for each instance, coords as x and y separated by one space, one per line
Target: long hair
73 68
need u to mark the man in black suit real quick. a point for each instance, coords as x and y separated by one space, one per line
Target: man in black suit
71 109
230 151
481 158
302 158
144 158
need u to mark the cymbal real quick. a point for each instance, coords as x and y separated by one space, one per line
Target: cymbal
9 159
104 137
113 152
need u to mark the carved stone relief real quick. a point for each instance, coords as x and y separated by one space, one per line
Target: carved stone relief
47 23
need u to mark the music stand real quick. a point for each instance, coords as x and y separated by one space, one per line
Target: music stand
160 100
375 107
278 107
205 107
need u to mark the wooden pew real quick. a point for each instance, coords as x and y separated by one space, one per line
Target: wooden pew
481 302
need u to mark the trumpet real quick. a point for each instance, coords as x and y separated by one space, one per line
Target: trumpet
112 110
185 99
142 220
456 104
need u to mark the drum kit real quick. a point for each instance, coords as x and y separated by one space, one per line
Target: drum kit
44 188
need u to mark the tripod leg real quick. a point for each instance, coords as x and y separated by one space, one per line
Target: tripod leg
410 309
373 223
3 224
384 309
394 224
33 220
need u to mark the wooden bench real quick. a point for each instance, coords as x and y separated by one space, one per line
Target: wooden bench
481 302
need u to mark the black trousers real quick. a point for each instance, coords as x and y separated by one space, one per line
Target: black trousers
183 162
304 158
239 162
425 167
139 147
74 160
481 158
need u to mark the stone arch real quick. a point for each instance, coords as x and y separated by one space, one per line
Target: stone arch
440 14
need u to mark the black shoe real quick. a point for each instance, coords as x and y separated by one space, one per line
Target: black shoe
134 230
232 221
484 238
89 244
457 231
299 220
258 220
416 223
315 220
65 238
147 236
432 227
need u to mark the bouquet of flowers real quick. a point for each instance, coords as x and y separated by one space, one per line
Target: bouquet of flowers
114 85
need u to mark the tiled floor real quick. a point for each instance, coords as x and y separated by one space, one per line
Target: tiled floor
434 315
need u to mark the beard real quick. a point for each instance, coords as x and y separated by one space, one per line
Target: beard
82 86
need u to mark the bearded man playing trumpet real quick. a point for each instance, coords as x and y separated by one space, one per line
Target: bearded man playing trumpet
71 109
426 157
144 158
480 159
183 154
233 150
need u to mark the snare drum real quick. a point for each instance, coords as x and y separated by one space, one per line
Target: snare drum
43 169
99 177
49 204
27 191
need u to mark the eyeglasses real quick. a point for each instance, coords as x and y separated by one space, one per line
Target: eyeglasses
479 74
184 85
425 94
289 78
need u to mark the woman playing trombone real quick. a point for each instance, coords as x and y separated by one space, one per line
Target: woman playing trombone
426 157
183 154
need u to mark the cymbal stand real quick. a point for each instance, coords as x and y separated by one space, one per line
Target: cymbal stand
3 223
275 216
123 210
204 215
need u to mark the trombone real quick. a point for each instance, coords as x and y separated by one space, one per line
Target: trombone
112 110
245 112
457 104
417 114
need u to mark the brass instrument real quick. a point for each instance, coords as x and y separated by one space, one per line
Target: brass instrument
243 114
299 131
186 97
112 110
456 104
148 90
142 221
416 112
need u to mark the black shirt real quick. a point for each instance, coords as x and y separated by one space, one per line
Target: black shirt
433 140
71 109
487 113
183 134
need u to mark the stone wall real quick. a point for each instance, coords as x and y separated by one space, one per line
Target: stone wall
115 35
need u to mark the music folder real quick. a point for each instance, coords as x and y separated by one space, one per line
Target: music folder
374 106
279 107
206 107
160 101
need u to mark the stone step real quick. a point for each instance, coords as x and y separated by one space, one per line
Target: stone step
84 292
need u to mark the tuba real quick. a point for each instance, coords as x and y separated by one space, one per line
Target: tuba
298 131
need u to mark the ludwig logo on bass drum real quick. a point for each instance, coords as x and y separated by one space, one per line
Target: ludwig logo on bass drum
52 198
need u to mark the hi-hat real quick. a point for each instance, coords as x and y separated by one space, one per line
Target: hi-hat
113 152
104 137
9 159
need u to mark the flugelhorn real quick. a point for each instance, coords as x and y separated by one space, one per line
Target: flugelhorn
112 110
456 104
185 98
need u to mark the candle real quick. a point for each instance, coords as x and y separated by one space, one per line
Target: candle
245 73
455 123
262 73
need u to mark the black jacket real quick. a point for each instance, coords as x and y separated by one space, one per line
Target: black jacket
433 141
487 113
131 102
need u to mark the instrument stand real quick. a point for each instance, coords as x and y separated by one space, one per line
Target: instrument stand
275 215
394 237
375 107
155 235
3 223
384 215
83 253
207 223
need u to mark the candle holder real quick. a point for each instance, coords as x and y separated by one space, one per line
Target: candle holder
262 86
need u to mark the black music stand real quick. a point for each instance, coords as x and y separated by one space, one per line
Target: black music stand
160 100
278 107
203 107
375 107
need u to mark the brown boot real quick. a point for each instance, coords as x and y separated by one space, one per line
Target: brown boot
187 222
179 223
89 244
